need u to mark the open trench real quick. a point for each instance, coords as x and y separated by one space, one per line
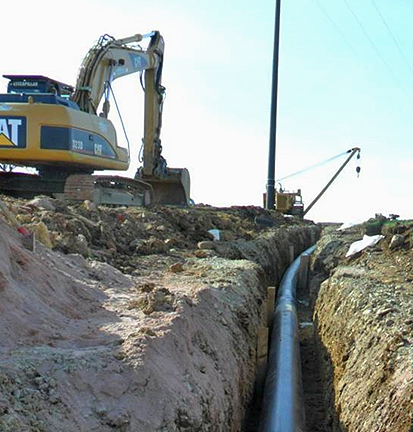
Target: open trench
356 366
174 336
162 351
188 366
318 415
110 353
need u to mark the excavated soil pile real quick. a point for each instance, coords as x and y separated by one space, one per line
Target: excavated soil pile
128 319
364 318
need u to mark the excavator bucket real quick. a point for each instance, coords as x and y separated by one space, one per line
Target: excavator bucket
172 189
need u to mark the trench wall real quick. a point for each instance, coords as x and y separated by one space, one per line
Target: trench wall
189 367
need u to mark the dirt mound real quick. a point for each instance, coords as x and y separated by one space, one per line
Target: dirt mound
121 235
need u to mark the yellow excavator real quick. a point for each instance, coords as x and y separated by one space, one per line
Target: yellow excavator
57 129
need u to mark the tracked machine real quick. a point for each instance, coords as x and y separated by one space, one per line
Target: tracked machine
57 129
291 202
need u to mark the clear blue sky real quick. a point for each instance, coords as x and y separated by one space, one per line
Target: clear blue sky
345 80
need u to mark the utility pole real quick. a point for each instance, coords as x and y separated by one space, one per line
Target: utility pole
273 118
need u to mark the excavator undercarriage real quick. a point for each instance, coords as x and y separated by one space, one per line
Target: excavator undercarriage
99 189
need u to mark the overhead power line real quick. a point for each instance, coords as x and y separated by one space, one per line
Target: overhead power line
392 36
326 14
372 42
376 49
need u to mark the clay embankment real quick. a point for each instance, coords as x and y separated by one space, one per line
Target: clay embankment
127 323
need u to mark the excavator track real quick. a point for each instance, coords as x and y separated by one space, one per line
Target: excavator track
100 189
109 190
24 185
79 187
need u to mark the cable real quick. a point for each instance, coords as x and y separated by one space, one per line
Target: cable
372 43
392 36
356 55
337 28
313 166
354 51
120 117
140 159
141 80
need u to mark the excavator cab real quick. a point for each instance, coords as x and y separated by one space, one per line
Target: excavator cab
41 127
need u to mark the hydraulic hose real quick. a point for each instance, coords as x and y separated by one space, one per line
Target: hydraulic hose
283 406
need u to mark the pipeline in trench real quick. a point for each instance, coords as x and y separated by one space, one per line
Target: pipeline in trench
293 397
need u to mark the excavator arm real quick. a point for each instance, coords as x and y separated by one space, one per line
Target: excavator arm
113 58
110 59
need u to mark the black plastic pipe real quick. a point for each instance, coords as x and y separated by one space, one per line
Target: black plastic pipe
283 405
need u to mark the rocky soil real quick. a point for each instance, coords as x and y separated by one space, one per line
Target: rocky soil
135 319
363 313
146 320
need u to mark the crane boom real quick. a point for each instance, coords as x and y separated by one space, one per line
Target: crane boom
352 152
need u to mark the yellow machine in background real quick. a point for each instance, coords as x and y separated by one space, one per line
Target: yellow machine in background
57 129
291 203
287 202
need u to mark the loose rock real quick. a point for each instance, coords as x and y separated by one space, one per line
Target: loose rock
396 241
